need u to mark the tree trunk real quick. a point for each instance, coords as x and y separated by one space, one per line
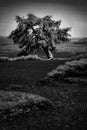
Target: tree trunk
48 53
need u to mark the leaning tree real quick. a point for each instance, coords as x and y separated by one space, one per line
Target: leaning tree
34 34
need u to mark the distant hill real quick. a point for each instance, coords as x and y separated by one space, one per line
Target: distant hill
74 39
81 41
7 47
4 40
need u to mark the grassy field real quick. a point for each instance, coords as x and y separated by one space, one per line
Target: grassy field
24 72
68 94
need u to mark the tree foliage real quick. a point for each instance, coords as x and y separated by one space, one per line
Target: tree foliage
35 34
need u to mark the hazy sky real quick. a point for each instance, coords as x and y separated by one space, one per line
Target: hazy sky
73 13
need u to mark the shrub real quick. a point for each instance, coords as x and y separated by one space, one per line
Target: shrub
72 68
13 103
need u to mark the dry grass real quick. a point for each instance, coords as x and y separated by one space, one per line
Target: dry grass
69 99
22 58
14 103
71 68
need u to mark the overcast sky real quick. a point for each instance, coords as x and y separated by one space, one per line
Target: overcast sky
73 13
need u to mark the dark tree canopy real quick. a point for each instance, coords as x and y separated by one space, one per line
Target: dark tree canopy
35 34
